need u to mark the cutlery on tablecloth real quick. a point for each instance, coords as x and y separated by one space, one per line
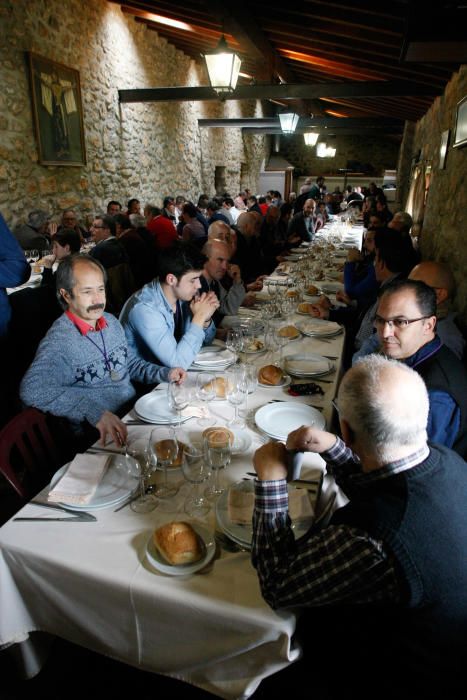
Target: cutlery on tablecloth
73 519
107 450
83 515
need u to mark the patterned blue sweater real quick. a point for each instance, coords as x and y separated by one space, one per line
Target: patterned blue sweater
69 376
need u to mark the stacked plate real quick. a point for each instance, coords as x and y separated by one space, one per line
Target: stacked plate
330 287
319 328
116 486
154 408
243 534
309 365
213 358
278 419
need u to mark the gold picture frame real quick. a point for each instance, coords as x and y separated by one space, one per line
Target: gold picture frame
57 111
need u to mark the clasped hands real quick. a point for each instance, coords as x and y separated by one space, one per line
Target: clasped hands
203 306
270 460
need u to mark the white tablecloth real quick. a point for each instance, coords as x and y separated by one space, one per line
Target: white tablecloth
90 583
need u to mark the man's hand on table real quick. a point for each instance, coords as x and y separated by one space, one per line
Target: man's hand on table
270 462
177 375
110 425
309 439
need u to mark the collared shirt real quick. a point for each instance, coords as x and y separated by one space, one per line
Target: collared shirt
84 327
338 564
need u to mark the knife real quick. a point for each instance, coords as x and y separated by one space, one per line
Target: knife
55 520
81 513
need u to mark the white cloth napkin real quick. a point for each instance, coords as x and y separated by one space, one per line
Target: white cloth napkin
80 481
307 365
241 504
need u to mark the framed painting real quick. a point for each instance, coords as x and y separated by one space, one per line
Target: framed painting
57 112
443 149
460 133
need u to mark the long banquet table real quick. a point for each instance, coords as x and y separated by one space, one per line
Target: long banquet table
91 583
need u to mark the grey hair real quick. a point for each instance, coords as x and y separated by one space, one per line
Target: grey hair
65 278
386 404
210 243
137 221
37 218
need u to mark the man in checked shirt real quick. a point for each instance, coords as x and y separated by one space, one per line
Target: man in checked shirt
395 555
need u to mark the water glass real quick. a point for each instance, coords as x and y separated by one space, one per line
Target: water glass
205 392
234 393
179 397
218 454
139 459
196 470
164 451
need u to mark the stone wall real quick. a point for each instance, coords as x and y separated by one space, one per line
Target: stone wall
444 228
379 152
133 150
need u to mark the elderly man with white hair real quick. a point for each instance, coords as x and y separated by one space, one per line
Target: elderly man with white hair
397 549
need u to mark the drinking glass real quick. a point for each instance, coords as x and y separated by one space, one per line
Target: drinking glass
179 398
196 470
218 454
164 450
205 392
137 449
234 341
234 394
249 383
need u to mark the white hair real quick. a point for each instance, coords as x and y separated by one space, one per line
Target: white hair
386 404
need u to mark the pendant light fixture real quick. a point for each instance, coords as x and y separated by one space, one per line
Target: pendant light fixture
223 67
289 121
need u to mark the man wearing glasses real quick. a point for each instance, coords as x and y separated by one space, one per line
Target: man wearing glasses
405 321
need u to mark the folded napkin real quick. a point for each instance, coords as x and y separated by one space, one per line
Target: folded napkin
241 504
316 326
80 481
308 365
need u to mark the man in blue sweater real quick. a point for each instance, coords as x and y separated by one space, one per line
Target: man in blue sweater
391 564
83 367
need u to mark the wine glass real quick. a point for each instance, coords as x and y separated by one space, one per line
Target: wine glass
164 449
218 453
234 341
234 393
139 459
249 383
179 398
196 470
205 392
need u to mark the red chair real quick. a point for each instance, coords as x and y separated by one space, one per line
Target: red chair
28 453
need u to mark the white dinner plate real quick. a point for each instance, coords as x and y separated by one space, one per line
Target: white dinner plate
331 287
339 253
213 355
154 408
308 365
319 328
243 534
279 419
159 563
116 485
285 382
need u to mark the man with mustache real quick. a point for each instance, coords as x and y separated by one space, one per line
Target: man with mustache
83 367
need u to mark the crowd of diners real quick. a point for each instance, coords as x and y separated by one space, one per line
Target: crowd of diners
127 300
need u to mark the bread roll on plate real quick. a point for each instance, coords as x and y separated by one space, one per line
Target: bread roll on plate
289 332
271 375
220 385
178 543
218 436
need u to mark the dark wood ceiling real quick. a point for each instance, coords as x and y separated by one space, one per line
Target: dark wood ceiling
321 43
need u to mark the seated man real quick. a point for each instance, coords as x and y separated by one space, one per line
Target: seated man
167 321
406 325
83 367
375 564
215 269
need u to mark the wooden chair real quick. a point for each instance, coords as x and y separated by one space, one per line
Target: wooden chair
28 453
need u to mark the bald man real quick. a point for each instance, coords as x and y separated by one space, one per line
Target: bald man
440 278
216 267
392 561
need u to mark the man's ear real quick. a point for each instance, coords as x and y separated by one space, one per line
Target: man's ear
348 434
430 324
171 280
65 295
441 295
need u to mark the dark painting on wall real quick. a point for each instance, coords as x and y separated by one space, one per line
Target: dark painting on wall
57 112
460 133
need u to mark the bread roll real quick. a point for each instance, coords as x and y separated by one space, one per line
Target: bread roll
220 385
292 293
312 290
178 543
305 307
289 332
271 375
218 436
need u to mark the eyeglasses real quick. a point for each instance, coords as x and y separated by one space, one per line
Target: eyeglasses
399 323
94 226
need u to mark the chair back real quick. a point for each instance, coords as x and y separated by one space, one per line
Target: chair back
28 452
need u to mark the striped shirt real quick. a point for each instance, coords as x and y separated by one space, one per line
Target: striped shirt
338 564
